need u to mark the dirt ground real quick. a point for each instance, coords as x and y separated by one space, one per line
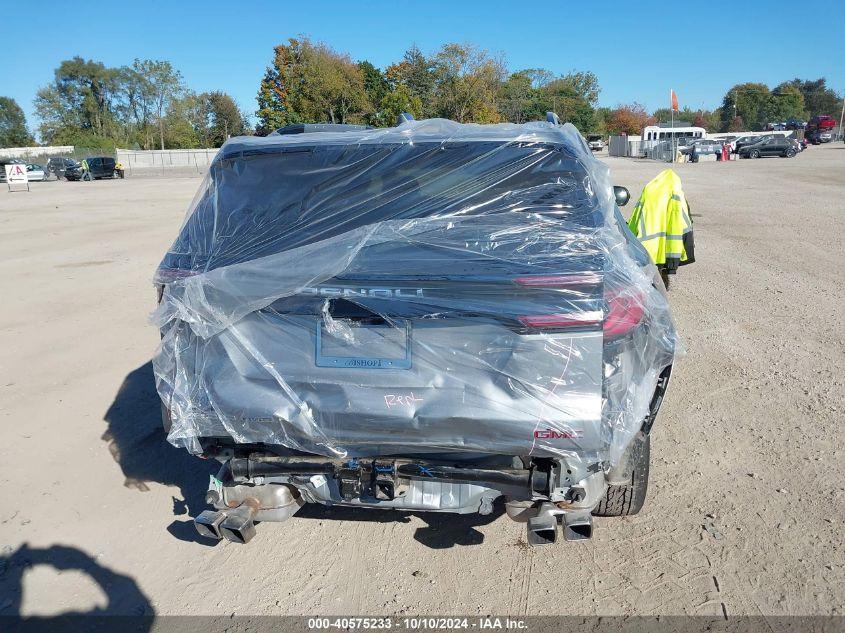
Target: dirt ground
746 510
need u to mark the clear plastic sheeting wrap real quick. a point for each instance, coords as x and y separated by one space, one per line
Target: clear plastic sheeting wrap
429 288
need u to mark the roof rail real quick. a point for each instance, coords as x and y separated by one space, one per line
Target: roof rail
404 117
306 128
551 117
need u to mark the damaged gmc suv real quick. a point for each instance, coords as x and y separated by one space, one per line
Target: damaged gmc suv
428 317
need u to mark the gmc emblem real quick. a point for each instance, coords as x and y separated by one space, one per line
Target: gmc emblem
551 434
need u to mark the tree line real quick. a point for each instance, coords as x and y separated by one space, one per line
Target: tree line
147 104
310 82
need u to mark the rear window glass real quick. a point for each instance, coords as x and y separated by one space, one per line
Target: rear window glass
268 201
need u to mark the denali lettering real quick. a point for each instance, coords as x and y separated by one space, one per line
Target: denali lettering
385 293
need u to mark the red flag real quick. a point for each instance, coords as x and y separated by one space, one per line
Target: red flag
674 99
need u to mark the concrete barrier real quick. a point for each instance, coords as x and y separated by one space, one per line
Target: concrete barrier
36 152
166 159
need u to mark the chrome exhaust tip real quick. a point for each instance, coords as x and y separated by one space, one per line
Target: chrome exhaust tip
238 526
577 527
542 530
208 524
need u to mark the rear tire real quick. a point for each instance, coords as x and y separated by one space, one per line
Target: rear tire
628 499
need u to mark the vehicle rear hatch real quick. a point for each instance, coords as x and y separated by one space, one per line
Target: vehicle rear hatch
474 323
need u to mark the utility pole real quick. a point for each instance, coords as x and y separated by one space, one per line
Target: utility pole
673 98
842 116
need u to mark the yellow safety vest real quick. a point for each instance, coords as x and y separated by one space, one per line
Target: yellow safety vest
661 219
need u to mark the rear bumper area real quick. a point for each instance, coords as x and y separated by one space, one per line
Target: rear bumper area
269 488
468 387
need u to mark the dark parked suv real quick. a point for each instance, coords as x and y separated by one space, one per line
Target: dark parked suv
423 318
59 165
100 166
744 141
770 146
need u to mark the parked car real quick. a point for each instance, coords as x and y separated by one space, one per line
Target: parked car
819 136
726 140
100 167
771 146
57 165
820 129
595 142
749 140
684 142
822 122
424 318
36 173
702 147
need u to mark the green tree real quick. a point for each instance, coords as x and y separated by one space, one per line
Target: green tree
207 119
186 122
665 115
601 116
785 102
81 99
710 120
375 83
528 94
467 80
539 76
517 97
736 125
570 102
278 87
818 98
310 83
584 84
13 131
138 106
227 120
395 103
90 105
747 101
165 84
416 73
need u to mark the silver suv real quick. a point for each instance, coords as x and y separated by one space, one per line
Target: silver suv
432 317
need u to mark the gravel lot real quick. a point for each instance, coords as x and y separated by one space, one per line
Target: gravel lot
746 511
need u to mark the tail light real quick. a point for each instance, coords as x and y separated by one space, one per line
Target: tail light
624 310
624 305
